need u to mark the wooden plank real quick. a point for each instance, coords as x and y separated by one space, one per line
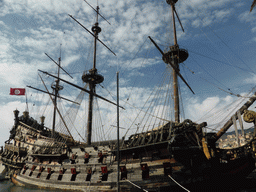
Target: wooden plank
240 122
235 126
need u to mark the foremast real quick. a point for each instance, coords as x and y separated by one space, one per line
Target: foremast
92 78
56 87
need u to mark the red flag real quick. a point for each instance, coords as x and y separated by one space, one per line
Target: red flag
17 91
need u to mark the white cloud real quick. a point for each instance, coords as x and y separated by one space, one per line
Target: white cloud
13 74
206 105
251 79
216 111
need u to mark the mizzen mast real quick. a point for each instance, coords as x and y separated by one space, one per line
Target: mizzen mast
92 78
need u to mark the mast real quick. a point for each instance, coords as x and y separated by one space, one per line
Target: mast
56 87
253 5
174 56
174 74
92 78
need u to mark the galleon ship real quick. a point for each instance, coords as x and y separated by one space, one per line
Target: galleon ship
173 153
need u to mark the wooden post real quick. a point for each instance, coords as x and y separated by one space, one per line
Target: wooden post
235 126
241 122
118 152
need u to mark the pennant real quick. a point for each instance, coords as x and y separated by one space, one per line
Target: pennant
17 91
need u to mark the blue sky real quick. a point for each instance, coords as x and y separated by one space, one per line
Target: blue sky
220 36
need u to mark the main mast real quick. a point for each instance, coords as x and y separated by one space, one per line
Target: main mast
92 78
175 56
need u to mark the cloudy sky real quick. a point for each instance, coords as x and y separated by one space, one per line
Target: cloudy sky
220 36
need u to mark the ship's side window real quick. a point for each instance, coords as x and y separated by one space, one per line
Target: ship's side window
48 176
167 168
88 177
49 170
38 175
61 172
145 171
60 177
89 174
104 173
86 158
101 156
123 172
30 174
24 169
74 173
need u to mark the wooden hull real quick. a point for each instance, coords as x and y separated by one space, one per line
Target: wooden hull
154 161
158 178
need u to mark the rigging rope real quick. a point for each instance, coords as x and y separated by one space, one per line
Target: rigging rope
136 185
132 60
229 92
243 69
178 183
71 114
203 21
161 93
98 126
223 114
157 90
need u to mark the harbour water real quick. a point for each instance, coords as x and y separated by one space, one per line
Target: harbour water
7 186
245 185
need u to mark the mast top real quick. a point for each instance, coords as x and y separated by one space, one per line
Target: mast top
93 77
171 2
